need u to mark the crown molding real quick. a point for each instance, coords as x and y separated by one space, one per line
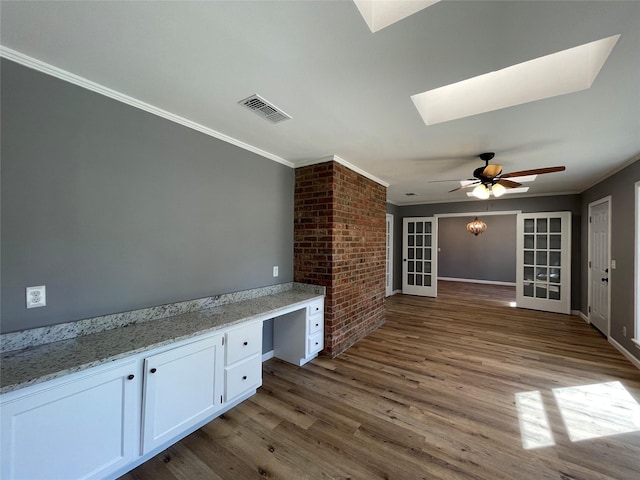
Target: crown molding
54 71
343 162
630 161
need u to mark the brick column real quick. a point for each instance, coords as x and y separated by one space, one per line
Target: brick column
339 242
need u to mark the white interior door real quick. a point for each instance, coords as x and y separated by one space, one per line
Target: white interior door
389 259
599 260
543 277
419 256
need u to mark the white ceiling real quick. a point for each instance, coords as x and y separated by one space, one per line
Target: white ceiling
348 90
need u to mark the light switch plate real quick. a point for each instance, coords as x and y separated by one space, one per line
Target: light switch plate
275 271
36 296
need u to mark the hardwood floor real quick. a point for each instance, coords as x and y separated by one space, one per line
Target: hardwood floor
432 395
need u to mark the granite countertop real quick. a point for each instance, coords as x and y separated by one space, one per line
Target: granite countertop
29 366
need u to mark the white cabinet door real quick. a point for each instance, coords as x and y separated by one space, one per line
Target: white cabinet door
182 387
543 276
83 428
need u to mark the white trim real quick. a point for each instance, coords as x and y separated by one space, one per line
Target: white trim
397 291
625 352
636 270
578 313
267 356
637 343
472 280
613 172
389 235
437 202
595 203
478 214
344 163
48 69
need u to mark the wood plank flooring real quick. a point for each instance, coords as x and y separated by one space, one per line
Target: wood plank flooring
430 395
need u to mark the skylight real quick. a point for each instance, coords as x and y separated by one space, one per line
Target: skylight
381 13
556 74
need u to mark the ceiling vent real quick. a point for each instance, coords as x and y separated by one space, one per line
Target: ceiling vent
264 109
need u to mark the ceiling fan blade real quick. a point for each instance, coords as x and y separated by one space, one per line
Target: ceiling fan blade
508 183
465 186
443 181
535 171
492 171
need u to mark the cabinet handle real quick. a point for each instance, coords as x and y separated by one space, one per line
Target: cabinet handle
244 377
246 343
153 370
131 377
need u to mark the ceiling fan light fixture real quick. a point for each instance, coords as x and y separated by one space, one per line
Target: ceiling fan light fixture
476 227
481 192
498 190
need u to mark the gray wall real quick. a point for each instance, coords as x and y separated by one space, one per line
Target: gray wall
490 256
116 209
559 203
621 188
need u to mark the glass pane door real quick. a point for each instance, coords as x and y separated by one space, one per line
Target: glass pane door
544 274
419 256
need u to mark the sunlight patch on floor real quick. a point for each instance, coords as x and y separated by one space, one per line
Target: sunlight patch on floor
534 424
599 410
588 411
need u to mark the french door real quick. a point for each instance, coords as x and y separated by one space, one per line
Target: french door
543 247
419 256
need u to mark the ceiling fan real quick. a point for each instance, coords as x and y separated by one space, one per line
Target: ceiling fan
490 179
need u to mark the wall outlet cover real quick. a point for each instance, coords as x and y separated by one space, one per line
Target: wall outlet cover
275 271
36 296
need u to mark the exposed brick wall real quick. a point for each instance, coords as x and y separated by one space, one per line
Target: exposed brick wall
339 242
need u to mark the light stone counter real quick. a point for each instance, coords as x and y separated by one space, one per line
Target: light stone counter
36 364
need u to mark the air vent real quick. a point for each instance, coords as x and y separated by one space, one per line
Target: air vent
264 109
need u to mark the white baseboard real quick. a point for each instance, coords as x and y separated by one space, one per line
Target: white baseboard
625 352
471 280
267 356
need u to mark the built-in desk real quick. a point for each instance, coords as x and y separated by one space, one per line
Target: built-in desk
97 405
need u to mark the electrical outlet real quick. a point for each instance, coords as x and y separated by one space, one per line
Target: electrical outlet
275 271
36 296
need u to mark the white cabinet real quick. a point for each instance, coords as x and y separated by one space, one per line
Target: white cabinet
298 336
182 387
243 361
79 427
104 421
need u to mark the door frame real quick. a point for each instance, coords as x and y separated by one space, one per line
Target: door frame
389 259
595 203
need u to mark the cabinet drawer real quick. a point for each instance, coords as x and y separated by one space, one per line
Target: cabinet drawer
315 323
243 342
315 343
243 377
316 307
